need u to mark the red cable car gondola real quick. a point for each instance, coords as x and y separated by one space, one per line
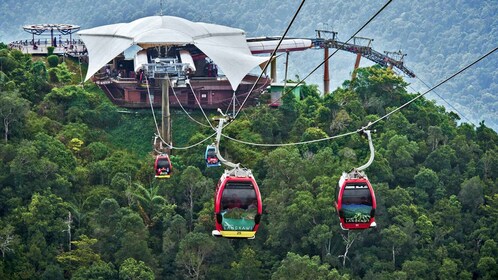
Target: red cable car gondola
355 202
162 166
355 198
238 206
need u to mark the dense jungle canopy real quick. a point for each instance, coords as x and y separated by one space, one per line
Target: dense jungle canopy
79 200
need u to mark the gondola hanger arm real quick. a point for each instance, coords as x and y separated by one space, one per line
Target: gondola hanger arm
372 151
219 129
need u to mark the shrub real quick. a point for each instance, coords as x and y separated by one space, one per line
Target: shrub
52 75
53 60
50 50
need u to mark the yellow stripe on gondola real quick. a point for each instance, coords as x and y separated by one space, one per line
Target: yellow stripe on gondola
163 176
238 234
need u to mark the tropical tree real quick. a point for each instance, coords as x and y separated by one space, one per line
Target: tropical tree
196 189
82 256
7 240
305 268
151 206
132 269
98 270
248 267
13 110
195 248
133 238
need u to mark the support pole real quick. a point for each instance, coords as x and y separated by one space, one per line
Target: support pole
233 101
326 78
273 69
356 65
166 116
286 70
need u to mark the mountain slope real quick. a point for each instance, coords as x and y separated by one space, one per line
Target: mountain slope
439 37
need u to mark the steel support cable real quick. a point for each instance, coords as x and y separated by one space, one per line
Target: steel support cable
238 103
449 104
271 56
81 73
263 86
199 103
228 107
196 144
371 123
185 111
231 98
249 92
325 60
434 87
352 36
428 86
290 144
159 133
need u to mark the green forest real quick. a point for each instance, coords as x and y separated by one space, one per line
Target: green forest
437 37
79 199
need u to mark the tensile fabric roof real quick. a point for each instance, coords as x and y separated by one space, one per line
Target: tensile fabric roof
226 46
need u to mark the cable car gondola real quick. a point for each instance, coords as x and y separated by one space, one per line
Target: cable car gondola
238 206
355 198
210 156
162 166
355 202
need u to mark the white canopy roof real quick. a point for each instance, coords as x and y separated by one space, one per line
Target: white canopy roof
226 46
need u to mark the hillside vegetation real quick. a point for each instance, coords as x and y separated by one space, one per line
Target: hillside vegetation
79 200
439 37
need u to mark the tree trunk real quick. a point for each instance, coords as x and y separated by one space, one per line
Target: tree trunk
6 129
348 241
191 206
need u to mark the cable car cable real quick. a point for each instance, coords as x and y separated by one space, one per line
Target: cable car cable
459 113
271 56
154 114
158 132
202 110
371 123
181 106
194 145
352 36
325 60
433 88
290 144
